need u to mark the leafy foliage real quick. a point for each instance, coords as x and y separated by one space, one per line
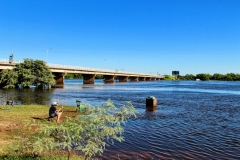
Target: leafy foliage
8 78
189 77
73 76
217 76
88 133
30 72
203 76
34 72
168 77
79 76
99 76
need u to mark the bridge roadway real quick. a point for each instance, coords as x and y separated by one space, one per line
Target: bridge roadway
89 73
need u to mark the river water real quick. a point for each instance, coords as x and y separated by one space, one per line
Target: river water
193 119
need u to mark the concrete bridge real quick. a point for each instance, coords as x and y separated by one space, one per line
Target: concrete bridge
89 74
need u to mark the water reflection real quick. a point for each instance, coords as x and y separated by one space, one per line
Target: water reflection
26 96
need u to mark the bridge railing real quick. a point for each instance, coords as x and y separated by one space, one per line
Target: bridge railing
97 70
2 60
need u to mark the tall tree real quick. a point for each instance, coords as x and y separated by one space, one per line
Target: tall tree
30 72
42 74
34 72
8 78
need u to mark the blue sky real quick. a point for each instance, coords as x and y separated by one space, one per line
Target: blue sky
147 36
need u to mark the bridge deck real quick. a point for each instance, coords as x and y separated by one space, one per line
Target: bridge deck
55 68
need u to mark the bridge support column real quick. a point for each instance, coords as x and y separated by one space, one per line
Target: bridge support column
142 78
148 78
153 79
88 78
108 78
59 77
133 79
123 78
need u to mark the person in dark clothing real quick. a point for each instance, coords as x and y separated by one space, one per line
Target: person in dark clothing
54 112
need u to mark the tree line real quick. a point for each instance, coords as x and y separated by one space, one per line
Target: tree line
207 77
79 76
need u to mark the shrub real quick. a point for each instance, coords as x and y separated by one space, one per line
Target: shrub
88 133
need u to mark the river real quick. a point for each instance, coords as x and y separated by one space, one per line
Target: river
193 119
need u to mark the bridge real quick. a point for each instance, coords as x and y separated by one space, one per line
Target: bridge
89 74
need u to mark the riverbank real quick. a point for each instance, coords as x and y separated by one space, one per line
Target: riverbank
12 122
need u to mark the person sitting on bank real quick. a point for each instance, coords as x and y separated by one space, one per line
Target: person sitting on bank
54 112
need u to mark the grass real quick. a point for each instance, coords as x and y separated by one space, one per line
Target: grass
12 125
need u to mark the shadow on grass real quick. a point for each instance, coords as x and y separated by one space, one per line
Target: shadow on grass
40 119
66 113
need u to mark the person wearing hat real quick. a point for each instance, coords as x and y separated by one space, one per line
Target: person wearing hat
54 112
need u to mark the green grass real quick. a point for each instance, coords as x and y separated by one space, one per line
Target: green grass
12 125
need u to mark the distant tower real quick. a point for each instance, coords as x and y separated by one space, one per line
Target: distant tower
11 57
175 74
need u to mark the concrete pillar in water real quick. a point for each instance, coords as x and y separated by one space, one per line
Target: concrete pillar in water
123 78
148 78
59 77
141 78
151 103
108 78
88 78
133 79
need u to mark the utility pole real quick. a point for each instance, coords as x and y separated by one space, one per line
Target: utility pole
47 54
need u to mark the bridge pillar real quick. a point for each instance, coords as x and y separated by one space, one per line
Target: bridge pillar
153 79
133 79
142 78
59 77
123 78
148 78
108 78
88 78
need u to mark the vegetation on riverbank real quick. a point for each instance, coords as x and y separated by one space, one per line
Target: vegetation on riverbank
206 77
79 76
30 72
26 133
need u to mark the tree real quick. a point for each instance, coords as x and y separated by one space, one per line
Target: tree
168 77
99 76
189 77
73 76
69 76
78 76
217 76
88 133
8 78
237 77
34 72
203 76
